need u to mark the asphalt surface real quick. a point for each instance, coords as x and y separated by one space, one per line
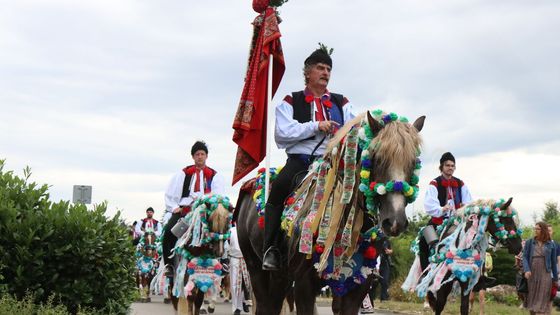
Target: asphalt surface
158 307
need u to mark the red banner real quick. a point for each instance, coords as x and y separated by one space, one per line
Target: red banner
250 120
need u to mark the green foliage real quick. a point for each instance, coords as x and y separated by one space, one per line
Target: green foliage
504 267
26 305
551 212
402 256
56 248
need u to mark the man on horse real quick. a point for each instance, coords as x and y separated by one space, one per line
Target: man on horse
444 195
186 186
149 223
305 120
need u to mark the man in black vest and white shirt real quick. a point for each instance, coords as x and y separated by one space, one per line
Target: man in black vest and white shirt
305 121
444 195
185 187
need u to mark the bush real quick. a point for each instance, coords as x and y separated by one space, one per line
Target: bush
504 270
81 257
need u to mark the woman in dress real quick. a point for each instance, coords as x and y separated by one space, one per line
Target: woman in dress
539 267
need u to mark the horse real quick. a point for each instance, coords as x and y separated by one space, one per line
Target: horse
197 253
390 148
461 246
146 264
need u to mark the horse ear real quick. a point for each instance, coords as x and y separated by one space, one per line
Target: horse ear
373 124
506 204
419 123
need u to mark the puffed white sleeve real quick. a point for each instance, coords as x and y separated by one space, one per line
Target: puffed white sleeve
159 229
465 195
348 110
174 191
288 130
431 202
138 228
218 185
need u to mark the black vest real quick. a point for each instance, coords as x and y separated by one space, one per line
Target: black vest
187 183
303 112
442 192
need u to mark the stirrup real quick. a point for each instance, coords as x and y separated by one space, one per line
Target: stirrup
273 261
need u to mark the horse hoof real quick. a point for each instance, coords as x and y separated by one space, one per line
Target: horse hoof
211 309
166 301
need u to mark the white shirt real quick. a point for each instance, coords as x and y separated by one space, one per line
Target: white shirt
290 133
431 201
138 228
234 250
175 189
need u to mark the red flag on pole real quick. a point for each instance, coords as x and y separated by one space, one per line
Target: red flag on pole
250 120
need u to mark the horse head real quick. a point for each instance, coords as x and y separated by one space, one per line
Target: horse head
219 223
503 226
149 237
393 153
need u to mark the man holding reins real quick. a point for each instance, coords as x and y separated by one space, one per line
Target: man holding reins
305 121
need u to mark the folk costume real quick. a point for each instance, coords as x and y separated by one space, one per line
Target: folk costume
184 188
237 272
442 192
148 224
297 131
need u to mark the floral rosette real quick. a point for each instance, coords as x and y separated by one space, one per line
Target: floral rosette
204 273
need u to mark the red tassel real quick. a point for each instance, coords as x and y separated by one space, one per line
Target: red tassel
261 222
319 249
290 201
370 253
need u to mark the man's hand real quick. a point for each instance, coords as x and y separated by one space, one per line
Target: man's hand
327 126
388 251
527 275
445 208
177 210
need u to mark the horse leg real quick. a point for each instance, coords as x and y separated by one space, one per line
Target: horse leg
197 300
352 301
184 306
336 305
464 299
438 302
305 293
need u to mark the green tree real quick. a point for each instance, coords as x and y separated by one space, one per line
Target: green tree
551 212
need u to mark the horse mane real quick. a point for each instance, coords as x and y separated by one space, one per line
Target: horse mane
396 145
219 219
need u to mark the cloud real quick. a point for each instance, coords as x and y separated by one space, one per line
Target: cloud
113 94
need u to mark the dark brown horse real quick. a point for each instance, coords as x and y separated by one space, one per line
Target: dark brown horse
392 154
504 231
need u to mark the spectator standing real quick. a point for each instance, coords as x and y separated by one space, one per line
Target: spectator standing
540 270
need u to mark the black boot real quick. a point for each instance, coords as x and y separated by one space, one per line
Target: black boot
271 257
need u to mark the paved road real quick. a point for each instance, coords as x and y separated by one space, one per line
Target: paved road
157 307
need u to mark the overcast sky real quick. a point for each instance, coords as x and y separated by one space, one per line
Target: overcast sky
114 93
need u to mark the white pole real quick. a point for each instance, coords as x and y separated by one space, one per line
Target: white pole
269 129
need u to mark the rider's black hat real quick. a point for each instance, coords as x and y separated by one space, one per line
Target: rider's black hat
199 145
319 56
447 156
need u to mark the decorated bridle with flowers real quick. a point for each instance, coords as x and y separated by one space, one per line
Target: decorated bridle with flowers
200 228
371 189
495 213
204 270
